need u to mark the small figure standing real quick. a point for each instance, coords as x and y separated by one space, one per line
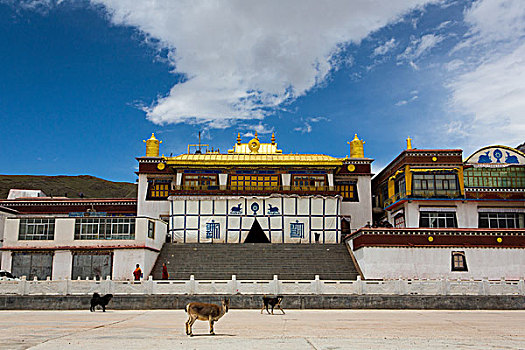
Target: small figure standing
137 273
165 274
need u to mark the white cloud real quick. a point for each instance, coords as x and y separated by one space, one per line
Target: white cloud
454 64
488 98
384 48
420 46
443 25
412 99
494 94
496 20
413 65
260 128
243 58
307 128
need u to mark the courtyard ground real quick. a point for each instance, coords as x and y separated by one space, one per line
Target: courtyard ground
248 329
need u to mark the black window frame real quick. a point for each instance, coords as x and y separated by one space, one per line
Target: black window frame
439 217
500 220
342 188
151 229
158 189
462 257
26 225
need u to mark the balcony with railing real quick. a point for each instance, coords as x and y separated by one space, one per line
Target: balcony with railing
423 194
257 190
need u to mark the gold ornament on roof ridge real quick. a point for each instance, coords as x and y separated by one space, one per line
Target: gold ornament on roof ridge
152 146
356 148
409 143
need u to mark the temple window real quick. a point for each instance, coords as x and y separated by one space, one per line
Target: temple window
254 182
36 229
399 220
348 191
308 182
105 228
158 189
501 220
459 261
427 185
200 181
508 177
400 188
151 229
431 219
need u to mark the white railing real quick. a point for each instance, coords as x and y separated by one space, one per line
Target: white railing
275 286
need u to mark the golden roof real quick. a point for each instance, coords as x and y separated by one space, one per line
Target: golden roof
255 146
255 159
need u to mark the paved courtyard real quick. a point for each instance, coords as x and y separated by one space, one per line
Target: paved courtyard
247 329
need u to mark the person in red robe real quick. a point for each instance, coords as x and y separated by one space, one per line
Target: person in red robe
137 273
165 274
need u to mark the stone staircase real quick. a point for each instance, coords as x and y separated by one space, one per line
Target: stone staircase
256 261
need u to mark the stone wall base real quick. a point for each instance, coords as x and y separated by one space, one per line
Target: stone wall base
147 302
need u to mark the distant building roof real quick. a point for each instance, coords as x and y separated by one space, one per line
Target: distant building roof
17 193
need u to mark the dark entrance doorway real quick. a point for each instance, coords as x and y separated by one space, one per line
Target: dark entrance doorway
256 234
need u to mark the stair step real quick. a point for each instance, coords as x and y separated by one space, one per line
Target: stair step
256 261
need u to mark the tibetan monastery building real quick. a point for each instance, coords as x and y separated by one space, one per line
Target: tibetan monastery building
255 193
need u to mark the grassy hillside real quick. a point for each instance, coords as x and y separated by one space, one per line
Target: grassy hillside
58 186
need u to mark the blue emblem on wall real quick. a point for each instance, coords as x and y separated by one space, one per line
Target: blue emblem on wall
485 158
498 155
237 210
213 230
273 210
255 208
511 159
297 229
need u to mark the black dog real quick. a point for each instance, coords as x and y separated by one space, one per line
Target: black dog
98 300
273 302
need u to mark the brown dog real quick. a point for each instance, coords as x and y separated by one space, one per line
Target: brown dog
205 312
273 302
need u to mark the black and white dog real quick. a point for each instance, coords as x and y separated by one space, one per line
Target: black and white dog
98 300
273 302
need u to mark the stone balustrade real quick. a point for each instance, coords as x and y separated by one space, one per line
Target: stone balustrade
275 286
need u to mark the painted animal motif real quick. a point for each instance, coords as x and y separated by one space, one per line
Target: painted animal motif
485 158
237 209
205 312
511 159
272 210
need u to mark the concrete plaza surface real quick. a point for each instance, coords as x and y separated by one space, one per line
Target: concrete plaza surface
248 329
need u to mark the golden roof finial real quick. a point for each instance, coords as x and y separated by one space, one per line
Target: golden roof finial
409 143
152 146
356 148
238 138
273 138
256 137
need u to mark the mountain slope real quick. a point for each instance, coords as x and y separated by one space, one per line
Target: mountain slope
70 186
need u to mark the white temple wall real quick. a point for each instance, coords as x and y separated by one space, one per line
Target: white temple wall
360 212
228 219
150 208
491 263
125 260
62 264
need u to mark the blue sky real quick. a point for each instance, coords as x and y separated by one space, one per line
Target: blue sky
84 82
